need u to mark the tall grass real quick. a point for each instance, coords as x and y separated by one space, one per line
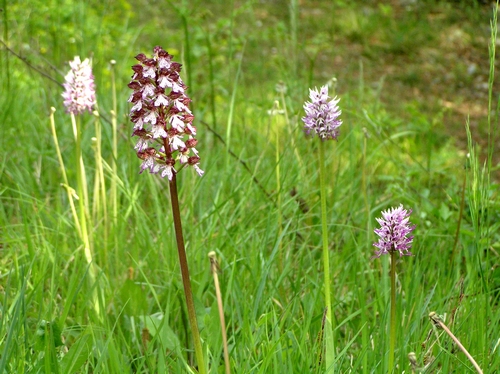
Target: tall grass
274 314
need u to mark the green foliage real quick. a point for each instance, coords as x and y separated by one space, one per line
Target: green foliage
389 152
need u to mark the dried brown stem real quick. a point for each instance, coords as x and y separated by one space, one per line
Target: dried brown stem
439 322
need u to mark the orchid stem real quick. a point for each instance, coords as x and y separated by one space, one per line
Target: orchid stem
70 191
81 187
392 335
185 276
329 338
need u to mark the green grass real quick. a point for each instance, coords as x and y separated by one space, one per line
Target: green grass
389 152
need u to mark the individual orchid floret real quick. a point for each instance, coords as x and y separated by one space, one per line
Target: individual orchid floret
161 116
79 87
322 115
393 231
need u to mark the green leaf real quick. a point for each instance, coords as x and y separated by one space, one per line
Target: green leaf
444 212
161 331
77 355
134 298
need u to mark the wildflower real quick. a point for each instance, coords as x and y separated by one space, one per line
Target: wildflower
161 116
322 115
393 231
79 88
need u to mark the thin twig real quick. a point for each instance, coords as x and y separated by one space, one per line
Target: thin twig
25 60
439 322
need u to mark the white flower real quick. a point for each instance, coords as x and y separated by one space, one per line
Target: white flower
79 87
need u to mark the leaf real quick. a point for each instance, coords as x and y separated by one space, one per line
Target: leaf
444 212
134 298
77 355
49 330
161 331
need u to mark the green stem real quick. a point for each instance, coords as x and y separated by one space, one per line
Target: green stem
6 34
66 186
392 336
114 176
278 183
80 179
211 79
365 333
232 104
100 208
330 345
115 142
185 276
81 187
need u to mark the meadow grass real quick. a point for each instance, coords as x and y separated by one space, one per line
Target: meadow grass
257 206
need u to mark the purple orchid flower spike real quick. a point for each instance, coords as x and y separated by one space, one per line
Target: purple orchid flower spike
322 115
393 231
162 119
